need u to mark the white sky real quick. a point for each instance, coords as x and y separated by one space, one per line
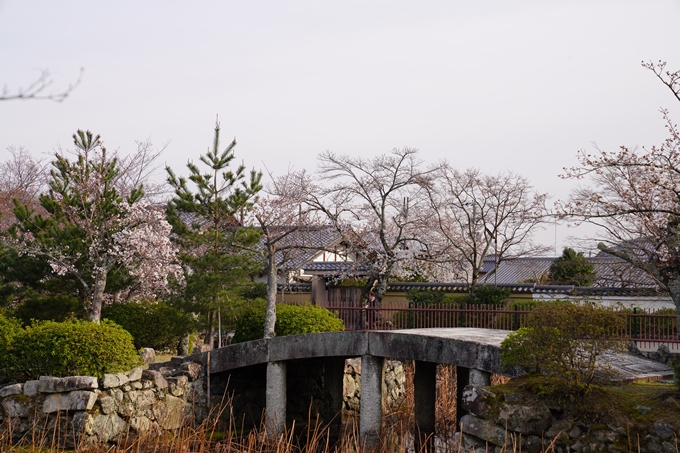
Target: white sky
496 84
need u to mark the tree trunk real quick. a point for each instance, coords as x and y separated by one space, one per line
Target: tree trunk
270 317
97 297
210 338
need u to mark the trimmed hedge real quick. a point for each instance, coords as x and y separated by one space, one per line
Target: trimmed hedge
72 348
10 328
152 325
290 320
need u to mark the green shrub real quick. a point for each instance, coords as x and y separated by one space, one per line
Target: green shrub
290 320
152 325
563 341
71 348
10 328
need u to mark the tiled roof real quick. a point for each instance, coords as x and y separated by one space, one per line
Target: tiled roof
334 268
612 272
309 242
294 287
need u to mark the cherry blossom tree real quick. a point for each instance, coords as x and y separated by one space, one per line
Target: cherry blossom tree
92 227
374 203
287 223
635 199
476 215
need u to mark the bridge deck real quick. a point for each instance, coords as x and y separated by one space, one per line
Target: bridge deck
471 348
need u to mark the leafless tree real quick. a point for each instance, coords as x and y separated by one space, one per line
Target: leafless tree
373 204
287 222
138 169
22 178
37 89
477 215
635 200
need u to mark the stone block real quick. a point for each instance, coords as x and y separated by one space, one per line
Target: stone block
156 377
663 430
14 407
13 389
107 427
108 404
170 413
55 402
477 400
148 355
483 429
31 388
135 374
560 426
189 369
81 400
78 400
48 384
201 348
534 419
141 424
114 380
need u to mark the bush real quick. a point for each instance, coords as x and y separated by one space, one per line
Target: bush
563 341
71 348
152 325
290 320
10 328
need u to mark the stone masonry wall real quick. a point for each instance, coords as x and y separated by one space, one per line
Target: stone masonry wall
80 411
393 387
504 422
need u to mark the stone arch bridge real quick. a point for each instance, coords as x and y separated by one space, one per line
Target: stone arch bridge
476 353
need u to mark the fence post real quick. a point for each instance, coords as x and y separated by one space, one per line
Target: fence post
636 332
515 318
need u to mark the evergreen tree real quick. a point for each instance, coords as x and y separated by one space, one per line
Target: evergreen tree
572 268
207 220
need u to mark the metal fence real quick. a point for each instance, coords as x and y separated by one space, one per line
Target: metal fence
641 325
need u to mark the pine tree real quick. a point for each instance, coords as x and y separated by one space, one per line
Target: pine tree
207 221
572 268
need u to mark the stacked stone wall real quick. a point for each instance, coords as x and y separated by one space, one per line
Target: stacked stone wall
394 380
519 421
80 411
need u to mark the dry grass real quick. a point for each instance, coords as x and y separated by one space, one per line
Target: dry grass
314 437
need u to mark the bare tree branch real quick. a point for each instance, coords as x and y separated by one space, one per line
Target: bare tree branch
37 88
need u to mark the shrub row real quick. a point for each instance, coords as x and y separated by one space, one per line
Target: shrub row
290 320
71 348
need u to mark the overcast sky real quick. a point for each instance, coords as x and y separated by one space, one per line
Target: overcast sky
499 85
